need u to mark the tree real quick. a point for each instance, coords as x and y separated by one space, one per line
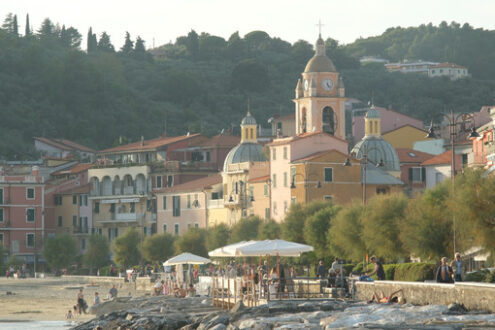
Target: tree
8 23
269 230
217 236
47 29
158 247
316 229
250 76
98 253
192 44
60 251
128 44
193 241
104 44
236 47
15 26
126 248
245 229
27 30
295 220
301 51
345 234
91 43
70 38
383 218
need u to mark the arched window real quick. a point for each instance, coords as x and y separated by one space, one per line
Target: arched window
303 121
328 121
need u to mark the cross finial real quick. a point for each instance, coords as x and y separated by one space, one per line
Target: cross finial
249 107
372 101
319 25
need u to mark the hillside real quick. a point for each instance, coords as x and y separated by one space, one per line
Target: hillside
50 87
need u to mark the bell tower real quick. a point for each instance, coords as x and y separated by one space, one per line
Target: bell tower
320 96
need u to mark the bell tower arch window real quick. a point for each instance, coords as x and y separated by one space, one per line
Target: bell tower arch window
328 120
303 121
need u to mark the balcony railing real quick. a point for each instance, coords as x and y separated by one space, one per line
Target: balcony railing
80 230
215 203
127 216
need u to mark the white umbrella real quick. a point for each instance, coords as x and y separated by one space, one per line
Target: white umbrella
186 258
229 250
273 247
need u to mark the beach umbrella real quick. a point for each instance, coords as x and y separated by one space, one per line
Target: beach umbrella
229 250
274 247
186 258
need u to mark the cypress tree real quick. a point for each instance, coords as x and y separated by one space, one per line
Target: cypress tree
89 41
15 27
28 30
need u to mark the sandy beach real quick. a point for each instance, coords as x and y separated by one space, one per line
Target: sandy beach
44 299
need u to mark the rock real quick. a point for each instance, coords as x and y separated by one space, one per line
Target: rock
455 308
219 326
213 319
239 307
129 317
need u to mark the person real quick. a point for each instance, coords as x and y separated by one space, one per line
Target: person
191 292
112 293
320 271
165 289
390 299
281 287
97 299
444 272
273 283
335 264
68 316
290 282
459 267
81 303
380 273
158 287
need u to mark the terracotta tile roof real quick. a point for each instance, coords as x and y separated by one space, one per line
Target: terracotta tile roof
317 154
407 155
78 168
397 128
260 178
152 144
65 144
291 116
77 190
445 158
287 140
447 65
219 141
193 185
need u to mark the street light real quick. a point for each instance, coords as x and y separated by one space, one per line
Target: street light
306 183
455 122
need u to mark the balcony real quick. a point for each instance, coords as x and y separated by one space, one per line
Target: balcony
80 230
216 204
127 217
236 200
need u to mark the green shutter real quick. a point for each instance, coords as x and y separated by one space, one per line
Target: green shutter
164 202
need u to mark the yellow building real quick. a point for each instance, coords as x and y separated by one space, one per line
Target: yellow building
324 176
405 136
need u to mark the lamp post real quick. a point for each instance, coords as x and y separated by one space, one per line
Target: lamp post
455 122
306 183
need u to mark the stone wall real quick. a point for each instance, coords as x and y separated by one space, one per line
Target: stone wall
474 296
141 284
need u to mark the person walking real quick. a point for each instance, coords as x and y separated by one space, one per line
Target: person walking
380 273
444 272
459 268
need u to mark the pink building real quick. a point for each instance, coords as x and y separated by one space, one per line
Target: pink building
390 120
282 153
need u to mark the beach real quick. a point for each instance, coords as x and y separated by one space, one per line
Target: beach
44 300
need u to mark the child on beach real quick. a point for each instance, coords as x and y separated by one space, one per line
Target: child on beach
68 316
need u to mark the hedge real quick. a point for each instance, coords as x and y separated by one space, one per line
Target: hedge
483 275
416 271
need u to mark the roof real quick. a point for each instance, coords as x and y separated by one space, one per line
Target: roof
287 140
407 155
146 145
244 152
376 175
290 117
248 120
77 190
444 158
194 185
260 178
448 65
372 113
65 144
402 127
316 155
78 168
320 63
378 150
219 141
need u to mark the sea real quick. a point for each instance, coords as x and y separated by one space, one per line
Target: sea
31 325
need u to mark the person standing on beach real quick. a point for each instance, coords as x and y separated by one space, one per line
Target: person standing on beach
81 303
113 292
97 299
380 273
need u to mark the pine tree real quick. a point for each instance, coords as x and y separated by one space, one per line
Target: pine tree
15 27
139 48
128 44
27 30
47 28
8 23
104 43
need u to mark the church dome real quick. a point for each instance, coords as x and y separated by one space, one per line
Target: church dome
248 120
244 152
320 62
373 113
379 150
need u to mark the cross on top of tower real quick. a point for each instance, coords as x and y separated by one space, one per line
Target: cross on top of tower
319 25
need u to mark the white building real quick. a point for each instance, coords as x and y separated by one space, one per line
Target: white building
451 70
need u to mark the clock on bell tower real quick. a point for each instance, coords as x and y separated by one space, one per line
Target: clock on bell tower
320 96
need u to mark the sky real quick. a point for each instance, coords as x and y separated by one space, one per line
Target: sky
163 21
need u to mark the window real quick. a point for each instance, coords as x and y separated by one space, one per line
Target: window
417 174
170 180
188 201
132 208
60 221
208 157
274 207
145 231
164 202
328 121
1 239
158 181
58 200
1 195
285 152
29 193
251 191
267 213
30 240
74 199
328 197
85 200
74 221
381 191
164 228
279 126
112 233
274 154
112 208
265 190
1 215
328 174
176 206
196 225
30 215
285 179
188 226
215 195
97 207
438 177
176 229
274 181
286 206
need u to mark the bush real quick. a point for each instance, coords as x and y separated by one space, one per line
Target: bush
105 271
390 271
490 277
417 271
359 268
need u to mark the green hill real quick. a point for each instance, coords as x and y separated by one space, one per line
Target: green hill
201 83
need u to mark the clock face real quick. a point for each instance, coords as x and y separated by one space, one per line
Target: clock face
306 84
327 84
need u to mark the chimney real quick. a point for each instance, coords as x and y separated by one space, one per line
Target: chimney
142 140
35 170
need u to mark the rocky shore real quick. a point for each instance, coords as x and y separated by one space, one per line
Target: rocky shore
198 313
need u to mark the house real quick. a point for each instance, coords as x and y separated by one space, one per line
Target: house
438 168
283 125
405 136
63 148
413 174
451 70
259 190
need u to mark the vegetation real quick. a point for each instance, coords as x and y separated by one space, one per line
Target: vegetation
98 253
158 248
50 87
193 241
60 252
126 248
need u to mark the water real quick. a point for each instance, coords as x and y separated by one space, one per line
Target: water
31 325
